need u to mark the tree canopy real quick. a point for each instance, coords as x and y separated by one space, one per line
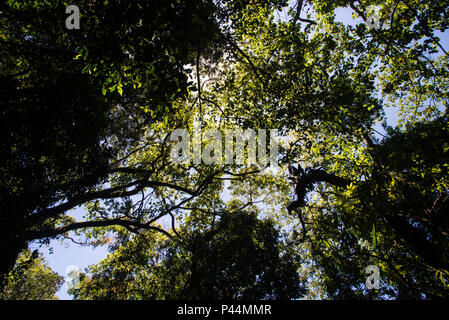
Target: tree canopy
238 257
86 117
31 279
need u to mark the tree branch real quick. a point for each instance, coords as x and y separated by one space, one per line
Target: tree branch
110 193
132 226
297 17
306 178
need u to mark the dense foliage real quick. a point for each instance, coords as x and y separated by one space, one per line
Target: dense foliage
86 116
31 279
239 257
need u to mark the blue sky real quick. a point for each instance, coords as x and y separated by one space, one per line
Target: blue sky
67 253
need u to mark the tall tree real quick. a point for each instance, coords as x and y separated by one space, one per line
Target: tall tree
76 103
31 279
322 81
238 257
361 197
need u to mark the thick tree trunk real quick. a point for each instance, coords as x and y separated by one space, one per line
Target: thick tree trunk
12 242
432 253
